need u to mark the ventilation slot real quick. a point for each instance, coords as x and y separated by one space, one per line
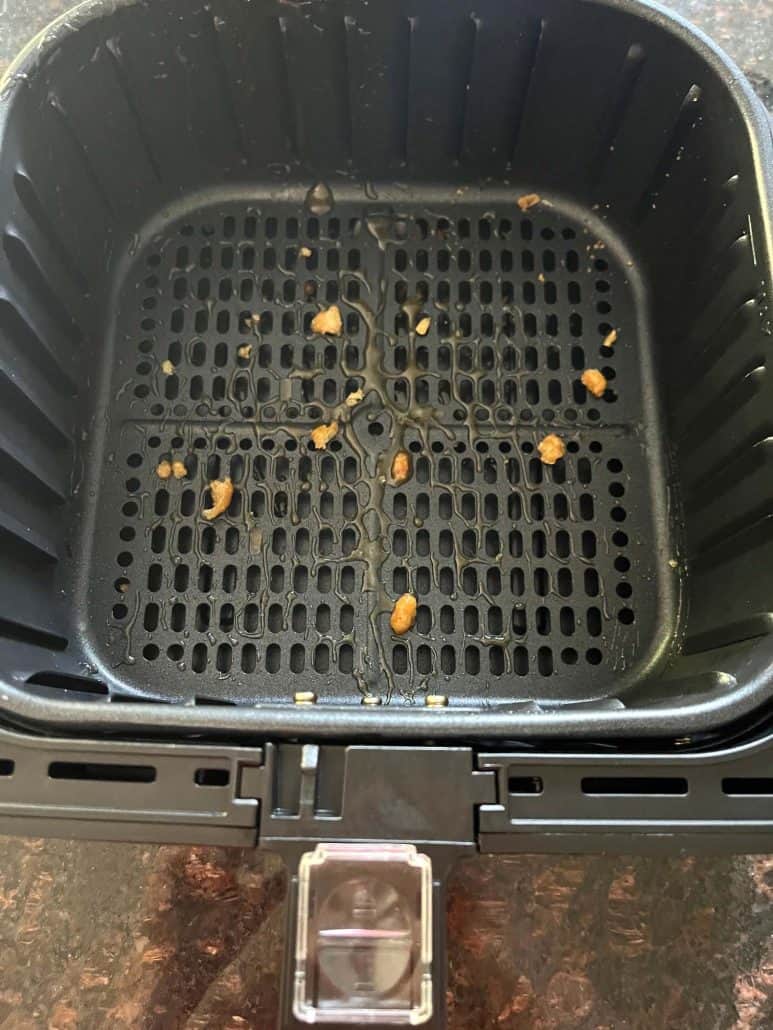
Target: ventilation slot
105 773
641 786
748 786
57 682
525 785
212 777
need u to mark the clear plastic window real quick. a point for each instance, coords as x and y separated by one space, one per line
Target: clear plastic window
364 935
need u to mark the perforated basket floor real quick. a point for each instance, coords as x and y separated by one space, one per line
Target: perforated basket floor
533 582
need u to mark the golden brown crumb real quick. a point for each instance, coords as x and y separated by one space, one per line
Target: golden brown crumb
551 448
255 318
245 351
403 614
594 381
322 435
541 277
304 252
167 368
328 323
528 200
422 326
222 491
401 468
179 471
354 398
610 339
164 469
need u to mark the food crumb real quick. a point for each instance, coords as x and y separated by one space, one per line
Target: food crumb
322 435
594 381
422 326
304 252
328 322
541 277
610 339
528 200
354 398
401 468
673 563
179 471
167 368
403 614
164 469
222 491
245 351
305 697
551 448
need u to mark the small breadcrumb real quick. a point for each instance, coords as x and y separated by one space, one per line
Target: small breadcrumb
403 614
304 252
328 323
245 351
610 339
222 491
594 381
354 398
541 277
528 200
422 326
401 468
551 448
164 469
179 471
322 435
168 368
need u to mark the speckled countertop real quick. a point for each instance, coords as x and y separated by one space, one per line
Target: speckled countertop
95 935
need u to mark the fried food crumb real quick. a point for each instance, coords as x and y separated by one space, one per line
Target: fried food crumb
354 398
328 323
168 368
245 351
403 614
179 471
594 381
610 339
222 491
164 469
422 326
304 252
528 200
551 448
401 468
322 435
674 564
541 277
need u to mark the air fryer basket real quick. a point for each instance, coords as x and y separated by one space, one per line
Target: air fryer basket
186 185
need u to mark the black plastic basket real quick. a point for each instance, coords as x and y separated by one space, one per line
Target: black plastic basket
557 186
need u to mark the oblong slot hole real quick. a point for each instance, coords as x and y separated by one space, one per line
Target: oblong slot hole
641 786
102 771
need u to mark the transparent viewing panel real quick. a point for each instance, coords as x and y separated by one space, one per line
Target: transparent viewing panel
364 935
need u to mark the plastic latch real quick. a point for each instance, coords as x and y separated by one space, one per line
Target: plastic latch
363 948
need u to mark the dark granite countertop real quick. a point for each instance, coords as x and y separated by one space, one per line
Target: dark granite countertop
95 935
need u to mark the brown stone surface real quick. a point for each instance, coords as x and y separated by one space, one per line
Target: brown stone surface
95 935
109 935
